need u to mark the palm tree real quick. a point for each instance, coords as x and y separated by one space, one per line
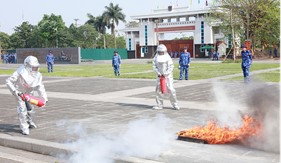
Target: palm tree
91 20
99 24
112 15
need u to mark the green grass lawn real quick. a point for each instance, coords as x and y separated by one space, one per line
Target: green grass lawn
272 76
196 71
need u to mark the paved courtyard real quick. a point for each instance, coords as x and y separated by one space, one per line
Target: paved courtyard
104 112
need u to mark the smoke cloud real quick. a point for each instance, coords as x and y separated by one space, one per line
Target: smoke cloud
144 138
259 100
229 110
264 104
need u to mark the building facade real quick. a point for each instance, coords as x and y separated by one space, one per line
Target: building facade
143 38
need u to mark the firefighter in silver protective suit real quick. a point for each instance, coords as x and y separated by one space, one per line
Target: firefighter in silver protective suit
164 66
26 79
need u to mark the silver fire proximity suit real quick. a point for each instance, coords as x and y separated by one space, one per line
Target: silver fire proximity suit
163 65
26 79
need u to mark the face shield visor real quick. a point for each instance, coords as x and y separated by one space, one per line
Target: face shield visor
161 52
34 69
32 65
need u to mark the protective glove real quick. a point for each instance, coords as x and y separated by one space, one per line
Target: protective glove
158 74
17 93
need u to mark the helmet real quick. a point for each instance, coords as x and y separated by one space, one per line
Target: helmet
161 48
31 64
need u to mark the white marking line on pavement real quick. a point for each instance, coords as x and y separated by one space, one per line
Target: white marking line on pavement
15 158
116 98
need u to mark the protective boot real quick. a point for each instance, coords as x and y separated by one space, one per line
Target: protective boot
25 131
159 102
157 107
32 125
176 107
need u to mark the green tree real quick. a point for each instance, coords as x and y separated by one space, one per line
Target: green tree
86 36
226 19
112 15
99 24
259 20
120 42
50 27
268 30
24 35
4 41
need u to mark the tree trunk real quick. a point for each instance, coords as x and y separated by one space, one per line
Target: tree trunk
113 34
233 38
103 41
114 41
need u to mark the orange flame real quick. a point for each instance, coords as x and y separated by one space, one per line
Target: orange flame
213 134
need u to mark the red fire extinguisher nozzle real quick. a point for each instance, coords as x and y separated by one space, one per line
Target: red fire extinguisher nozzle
33 100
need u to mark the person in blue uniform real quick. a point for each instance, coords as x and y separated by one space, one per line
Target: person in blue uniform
215 56
116 63
50 60
184 63
246 63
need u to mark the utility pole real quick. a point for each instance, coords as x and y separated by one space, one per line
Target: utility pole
76 20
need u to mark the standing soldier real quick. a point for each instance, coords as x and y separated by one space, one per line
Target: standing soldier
26 79
246 63
163 66
50 59
171 54
215 55
116 63
184 63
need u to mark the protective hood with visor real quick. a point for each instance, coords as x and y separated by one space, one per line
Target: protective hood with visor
161 49
31 64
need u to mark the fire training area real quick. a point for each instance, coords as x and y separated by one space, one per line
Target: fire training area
106 106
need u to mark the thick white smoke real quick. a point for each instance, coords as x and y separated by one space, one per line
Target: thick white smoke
229 110
262 101
144 138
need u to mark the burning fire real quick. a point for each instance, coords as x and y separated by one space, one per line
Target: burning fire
214 134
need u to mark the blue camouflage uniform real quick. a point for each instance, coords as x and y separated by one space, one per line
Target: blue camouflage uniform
50 61
215 56
246 64
184 64
116 61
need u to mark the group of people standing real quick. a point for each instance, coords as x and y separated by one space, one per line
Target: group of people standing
9 58
28 79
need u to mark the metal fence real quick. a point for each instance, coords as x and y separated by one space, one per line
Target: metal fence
102 54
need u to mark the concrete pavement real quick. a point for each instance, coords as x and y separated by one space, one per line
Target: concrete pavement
96 115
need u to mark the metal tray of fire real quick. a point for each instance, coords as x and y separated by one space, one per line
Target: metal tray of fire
189 139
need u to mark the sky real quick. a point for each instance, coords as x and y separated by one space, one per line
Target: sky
14 12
